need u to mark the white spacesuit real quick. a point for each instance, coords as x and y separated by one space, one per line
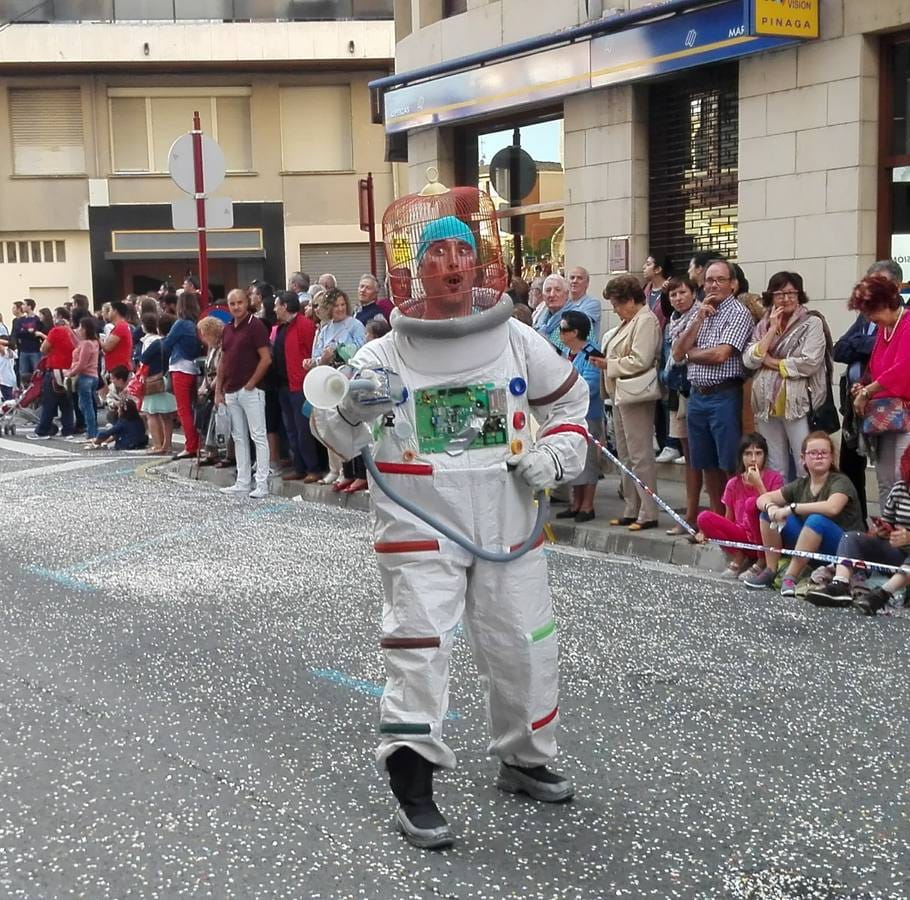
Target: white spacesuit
471 380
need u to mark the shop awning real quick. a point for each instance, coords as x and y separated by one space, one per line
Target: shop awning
680 34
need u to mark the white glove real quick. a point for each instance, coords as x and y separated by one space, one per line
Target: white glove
355 411
539 468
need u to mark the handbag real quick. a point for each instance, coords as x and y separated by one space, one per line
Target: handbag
637 388
825 417
157 384
885 415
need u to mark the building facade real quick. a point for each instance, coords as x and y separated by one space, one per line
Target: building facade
685 125
94 105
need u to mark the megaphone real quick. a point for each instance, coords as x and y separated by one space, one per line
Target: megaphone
325 387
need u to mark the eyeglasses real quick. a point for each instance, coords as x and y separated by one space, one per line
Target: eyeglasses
565 328
817 454
711 282
785 295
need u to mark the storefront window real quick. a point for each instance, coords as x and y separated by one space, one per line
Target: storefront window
540 240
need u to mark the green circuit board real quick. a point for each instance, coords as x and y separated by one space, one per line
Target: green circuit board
444 413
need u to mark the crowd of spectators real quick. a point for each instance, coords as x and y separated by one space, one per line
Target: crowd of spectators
736 387
739 389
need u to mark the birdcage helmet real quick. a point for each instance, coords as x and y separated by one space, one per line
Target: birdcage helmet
443 253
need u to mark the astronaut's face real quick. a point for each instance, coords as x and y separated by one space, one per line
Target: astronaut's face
447 272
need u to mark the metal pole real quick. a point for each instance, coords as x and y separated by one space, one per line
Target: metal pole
200 211
371 221
515 200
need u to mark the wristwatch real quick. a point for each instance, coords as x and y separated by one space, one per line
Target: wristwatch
793 507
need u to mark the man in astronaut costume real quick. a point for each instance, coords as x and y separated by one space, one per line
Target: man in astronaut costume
459 332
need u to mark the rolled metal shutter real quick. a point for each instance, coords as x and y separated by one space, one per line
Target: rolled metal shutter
694 163
347 262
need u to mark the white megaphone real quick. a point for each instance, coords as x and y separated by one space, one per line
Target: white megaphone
325 387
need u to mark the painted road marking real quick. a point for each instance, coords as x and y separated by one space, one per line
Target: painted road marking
66 576
370 688
33 449
50 470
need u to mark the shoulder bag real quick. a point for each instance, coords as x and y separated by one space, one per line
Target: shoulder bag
824 418
885 415
637 388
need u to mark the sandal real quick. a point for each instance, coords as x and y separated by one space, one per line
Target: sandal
622 520
677 531
226 464
643 526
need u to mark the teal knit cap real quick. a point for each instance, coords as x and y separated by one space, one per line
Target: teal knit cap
448 228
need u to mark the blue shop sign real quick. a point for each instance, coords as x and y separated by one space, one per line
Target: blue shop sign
683 41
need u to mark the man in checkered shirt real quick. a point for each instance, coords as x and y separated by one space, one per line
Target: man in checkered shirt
714 345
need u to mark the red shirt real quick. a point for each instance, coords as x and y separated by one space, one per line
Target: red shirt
298 346
62 341
240 345
122 354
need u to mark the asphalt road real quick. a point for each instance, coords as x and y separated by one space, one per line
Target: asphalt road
188 709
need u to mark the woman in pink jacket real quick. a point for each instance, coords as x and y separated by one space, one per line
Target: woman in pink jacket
882 396
84 371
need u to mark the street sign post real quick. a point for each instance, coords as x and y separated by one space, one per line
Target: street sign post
196 165
368 215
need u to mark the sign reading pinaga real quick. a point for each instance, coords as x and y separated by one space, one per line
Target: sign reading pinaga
786 18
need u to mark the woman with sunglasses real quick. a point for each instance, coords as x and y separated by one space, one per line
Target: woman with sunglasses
574 329
810 514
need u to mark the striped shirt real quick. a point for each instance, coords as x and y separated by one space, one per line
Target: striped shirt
731 324
897 506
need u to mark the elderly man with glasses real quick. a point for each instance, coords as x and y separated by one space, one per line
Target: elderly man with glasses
713 345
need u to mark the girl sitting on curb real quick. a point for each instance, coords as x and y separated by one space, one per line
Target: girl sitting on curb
887 542
809 514
751 481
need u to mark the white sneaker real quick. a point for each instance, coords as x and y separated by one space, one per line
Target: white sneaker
260 492
331 478
679 461
38 437
668 454
235 489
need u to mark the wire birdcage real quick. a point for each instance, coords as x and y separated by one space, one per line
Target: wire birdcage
443 253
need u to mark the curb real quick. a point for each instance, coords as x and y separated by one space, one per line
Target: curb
654 547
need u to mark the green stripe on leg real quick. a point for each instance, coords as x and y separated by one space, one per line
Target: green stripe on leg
543 632
404 728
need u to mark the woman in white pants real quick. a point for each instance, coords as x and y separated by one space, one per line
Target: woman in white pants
245 359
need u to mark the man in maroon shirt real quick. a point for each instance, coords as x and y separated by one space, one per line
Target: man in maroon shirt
118 346
245 358
58 347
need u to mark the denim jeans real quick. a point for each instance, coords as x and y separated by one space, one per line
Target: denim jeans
53 402
28 362
86 385
300 438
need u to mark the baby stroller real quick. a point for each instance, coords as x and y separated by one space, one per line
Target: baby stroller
23 405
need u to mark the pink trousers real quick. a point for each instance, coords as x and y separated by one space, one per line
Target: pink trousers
720 528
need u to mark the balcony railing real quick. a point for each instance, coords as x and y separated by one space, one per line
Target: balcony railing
33 11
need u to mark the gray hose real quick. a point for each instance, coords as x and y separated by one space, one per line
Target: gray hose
543 510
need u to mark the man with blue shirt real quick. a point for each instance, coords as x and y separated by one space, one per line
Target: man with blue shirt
580 299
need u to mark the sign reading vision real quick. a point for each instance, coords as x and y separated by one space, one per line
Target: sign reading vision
786 18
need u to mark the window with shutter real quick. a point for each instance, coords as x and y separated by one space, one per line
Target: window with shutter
47 131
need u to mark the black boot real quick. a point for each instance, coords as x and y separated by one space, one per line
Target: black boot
870 602
538 782
418 818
